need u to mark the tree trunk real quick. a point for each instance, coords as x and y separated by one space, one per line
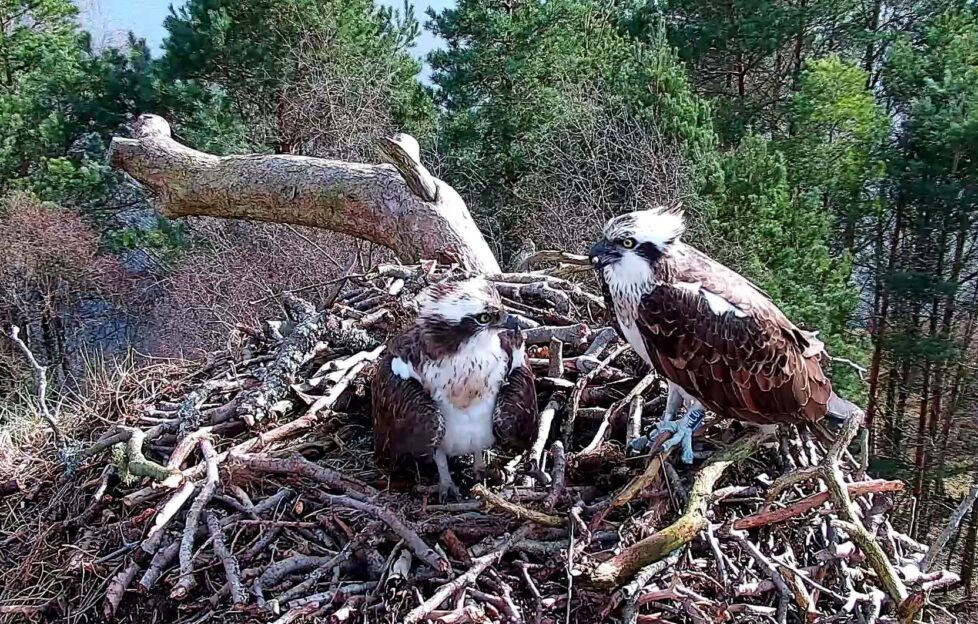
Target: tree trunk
968 561
402 207
881 305
869 57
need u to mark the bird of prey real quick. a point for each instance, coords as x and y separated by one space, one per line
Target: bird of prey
454 383
718 339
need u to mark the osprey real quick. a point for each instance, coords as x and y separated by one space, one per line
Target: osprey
717 338
455 382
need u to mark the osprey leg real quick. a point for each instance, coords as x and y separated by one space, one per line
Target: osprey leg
446 487
675 399
683 430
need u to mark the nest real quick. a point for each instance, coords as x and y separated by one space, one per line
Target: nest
244 489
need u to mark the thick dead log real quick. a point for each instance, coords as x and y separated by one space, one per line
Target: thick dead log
281 373
372 202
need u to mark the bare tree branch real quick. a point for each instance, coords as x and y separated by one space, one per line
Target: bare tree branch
371 202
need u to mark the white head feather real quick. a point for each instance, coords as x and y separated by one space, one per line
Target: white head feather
661 226
453 301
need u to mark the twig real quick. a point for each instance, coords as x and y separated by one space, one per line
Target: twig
556 367
515 509
300 466
231 570
169 509
388 517
555 403
611 412
772 571
186 579
117 589
634 429
161 560
479 566
567 429
559 484
40 386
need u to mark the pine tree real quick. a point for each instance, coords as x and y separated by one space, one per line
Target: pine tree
517 79
281 76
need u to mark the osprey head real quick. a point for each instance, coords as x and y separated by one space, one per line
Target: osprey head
643 236
458 310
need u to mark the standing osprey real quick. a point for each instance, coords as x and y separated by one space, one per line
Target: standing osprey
716 337
455 382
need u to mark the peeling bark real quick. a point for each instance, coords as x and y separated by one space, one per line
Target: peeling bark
371 202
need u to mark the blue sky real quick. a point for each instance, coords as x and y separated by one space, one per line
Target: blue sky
110 20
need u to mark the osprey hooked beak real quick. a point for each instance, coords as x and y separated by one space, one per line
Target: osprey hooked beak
603 253
507 321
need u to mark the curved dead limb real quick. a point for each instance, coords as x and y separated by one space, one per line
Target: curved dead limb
390 206
623 566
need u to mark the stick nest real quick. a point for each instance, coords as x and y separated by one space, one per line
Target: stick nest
243 489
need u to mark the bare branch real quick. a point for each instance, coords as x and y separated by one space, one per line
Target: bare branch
371 202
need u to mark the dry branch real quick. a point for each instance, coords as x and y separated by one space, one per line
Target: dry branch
370 202
479 566
40 386
621 567
186 579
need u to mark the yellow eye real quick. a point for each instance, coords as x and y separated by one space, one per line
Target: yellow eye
484 318
628 243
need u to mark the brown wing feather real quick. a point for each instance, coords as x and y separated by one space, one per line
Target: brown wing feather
516 417
754 368
407 422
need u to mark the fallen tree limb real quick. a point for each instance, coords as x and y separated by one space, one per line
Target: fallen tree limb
370 202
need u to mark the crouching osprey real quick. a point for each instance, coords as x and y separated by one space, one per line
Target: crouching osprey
718 339
455 382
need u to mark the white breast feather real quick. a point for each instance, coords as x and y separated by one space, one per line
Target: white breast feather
629 280
466 386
